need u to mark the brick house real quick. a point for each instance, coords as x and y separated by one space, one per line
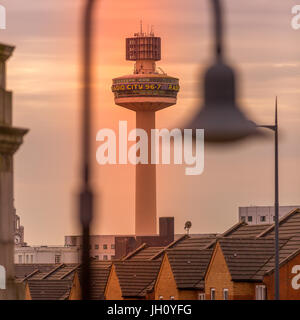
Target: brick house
181 275
289 275
132 280
235 271
63 281
53 289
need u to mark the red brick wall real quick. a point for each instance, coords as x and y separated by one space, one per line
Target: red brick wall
218 276
287 292
165 284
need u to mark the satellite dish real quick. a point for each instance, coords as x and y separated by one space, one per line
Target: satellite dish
187 226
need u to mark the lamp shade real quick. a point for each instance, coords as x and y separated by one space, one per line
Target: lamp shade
220 117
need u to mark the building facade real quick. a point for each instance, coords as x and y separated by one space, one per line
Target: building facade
46 254
262 214
11 138
102 247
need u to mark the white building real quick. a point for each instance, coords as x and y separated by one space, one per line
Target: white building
262 214
46 254
102 247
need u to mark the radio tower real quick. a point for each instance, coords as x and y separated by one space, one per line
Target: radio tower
145 92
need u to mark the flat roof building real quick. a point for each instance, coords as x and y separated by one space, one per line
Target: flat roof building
262 214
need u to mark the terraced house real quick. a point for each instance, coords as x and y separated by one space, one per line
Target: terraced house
61 281
132 280
181 276
236 265
242 264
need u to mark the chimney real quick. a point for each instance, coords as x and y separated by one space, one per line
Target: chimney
166 227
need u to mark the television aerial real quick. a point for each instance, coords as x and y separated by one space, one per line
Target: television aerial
187 226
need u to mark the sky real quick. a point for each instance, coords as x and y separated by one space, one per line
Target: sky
44 74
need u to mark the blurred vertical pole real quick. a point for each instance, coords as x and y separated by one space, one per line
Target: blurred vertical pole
86 194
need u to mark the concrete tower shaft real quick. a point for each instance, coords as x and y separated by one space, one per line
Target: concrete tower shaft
145 92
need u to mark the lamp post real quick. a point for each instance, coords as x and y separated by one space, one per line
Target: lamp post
274 128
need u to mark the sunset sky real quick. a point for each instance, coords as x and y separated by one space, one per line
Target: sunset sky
44 75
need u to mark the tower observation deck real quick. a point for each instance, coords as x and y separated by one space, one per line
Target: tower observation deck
145 91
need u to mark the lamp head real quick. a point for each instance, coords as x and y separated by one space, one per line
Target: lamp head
220 117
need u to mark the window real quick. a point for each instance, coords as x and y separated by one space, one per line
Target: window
212 294
243 218
225 294
250 219
172 298
96 246
27 258
161 298
105 257
273 218
261 292
112 246
20 259
97 257
105 246
262 218
31 258
57 258
201 296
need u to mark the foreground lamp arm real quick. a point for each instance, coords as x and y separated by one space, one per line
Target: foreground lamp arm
221 117
218 24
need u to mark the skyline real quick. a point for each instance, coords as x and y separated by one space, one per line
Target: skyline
44 71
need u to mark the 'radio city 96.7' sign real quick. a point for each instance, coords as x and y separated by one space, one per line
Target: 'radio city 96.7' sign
145 86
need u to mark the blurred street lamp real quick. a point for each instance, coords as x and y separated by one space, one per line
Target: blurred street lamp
86 193
221 117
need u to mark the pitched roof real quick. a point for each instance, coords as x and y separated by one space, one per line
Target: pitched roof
147 253
99 276
199 242
132 253
246 257
65 271
136 277
247 231
289 227
50 289
22 271
189 266
144 252
38 272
